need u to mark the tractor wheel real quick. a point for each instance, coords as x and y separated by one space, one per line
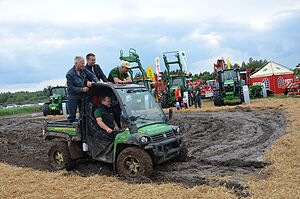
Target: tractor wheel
59 156
46 109
217 99
164 101
134 162
182 156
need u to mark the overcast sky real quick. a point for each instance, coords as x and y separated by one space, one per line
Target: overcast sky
39 39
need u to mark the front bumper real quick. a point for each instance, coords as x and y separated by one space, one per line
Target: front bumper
165 150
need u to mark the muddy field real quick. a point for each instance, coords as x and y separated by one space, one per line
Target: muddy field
220 144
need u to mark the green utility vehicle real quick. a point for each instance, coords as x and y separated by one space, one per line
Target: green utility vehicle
229 88
173 81
58 96
146 138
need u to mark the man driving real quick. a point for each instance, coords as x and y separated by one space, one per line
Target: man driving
105 119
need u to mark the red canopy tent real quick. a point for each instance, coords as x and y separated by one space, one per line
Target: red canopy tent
274 75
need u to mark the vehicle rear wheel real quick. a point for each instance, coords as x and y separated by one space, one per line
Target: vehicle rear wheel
134 162
59 156
46 109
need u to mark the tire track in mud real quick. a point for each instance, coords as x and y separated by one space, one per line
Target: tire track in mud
220 144
223 144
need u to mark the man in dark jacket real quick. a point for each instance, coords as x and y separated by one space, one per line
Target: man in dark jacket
105 119
94 68
79 79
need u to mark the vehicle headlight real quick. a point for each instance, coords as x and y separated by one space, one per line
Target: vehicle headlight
145 139
178 130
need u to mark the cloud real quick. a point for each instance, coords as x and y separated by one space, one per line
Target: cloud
33 86
39 43
210 40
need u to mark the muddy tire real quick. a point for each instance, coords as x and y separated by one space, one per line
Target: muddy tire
134 162
164 101
59 156
217 99
46 109
183 154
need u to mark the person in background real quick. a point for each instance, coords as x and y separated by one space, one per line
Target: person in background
185 102
178 97
79 79
197 96
94 68
119 75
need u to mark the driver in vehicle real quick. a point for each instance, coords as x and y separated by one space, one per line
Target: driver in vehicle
105 119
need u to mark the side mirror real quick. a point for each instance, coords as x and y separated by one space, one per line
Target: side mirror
170 113
123 121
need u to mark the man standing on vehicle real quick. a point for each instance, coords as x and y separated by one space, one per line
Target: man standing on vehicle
105 119
79 79
119 75
94 68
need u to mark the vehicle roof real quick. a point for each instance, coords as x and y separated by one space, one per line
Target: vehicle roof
118 86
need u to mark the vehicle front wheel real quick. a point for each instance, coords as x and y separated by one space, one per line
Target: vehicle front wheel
59 156
183 154
46 109
134 162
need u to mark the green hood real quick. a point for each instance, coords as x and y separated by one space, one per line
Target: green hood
154 129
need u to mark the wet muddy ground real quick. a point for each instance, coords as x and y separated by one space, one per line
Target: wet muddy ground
226 143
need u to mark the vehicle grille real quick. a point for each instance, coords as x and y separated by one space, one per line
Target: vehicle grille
162 136
229 89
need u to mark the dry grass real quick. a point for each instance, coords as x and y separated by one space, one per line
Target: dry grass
27 183
280 180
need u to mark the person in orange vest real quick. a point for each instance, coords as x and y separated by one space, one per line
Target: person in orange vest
178 98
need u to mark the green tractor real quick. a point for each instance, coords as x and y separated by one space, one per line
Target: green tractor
229 88
146 138
173 81
58 96
133 57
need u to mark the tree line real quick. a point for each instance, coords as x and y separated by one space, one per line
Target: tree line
24 97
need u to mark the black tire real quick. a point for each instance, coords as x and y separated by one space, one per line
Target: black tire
134 162
183 154
59 156
46 109
217 99
165 101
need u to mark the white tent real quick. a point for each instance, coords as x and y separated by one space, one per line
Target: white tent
270 69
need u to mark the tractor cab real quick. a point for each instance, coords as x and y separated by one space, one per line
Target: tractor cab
59 91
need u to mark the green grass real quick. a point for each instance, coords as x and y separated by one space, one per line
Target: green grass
20 110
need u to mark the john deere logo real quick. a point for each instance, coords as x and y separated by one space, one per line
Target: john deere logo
165 136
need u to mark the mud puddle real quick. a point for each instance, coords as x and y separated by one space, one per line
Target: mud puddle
220 144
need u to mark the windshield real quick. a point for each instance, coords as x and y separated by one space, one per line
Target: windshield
59 91
177 82
141 106
229 75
